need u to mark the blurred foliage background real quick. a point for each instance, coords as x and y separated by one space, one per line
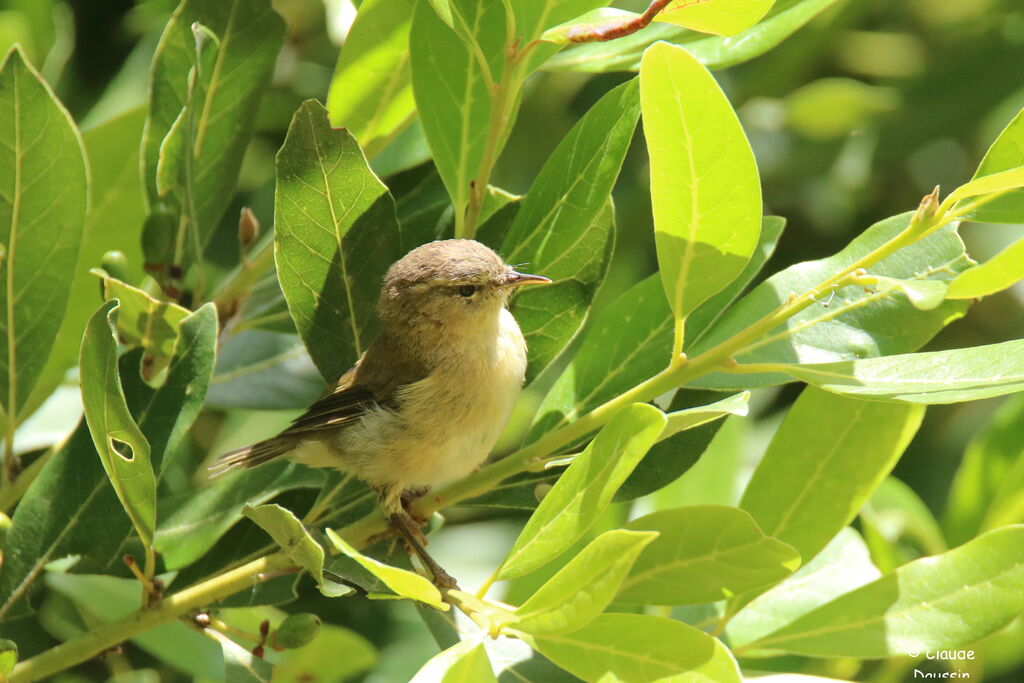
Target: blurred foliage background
852 119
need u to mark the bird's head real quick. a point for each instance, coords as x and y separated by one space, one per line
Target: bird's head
449 282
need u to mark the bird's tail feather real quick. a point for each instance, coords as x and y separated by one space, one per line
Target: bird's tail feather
250 456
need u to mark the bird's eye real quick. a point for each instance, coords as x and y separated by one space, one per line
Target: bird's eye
467 290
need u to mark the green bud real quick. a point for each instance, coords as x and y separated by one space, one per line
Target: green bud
5 526
116 265
297 630
8 656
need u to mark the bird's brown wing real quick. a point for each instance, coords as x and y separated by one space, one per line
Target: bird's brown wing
341 404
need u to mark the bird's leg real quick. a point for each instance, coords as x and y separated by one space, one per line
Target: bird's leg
411 534
410 496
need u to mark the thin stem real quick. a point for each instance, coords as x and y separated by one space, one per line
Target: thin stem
108 635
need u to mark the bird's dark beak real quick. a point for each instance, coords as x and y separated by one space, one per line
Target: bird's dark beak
515 279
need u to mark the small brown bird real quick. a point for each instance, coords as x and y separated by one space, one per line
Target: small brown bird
427 401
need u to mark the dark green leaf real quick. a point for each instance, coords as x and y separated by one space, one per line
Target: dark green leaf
260 370
70 508
704 553
336 235
563 227
121 445
827 457
43 199
849 323
451 88
114 222
216 115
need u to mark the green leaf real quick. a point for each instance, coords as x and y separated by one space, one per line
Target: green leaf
995 183
114 222
922 606
601 18
241 665
671 457
402 581
450 85
705 190
143 320
121 445
715 52
953 376
827 457
192 521
70 508
43 200
689 418
704 553
631 340
584 489
988 484
563 227
216 122
260 370
848 323
581 589
8 656
464 662
335 236
371 91
924 295
721 17
638 648
1000 272
843 565
1006 153
289 533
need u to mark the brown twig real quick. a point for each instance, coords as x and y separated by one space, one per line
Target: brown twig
616 28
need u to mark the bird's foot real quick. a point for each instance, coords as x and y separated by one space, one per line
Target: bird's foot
415 542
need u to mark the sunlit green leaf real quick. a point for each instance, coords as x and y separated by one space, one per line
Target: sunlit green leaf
1005 154
336 234
464 662
998 273
688 418
846 323
921 606
705 189
721 17
827 457
638 648
217 123
121 445
143 320
936 377
287 531
402 581
715 52
563 227
843 565
584 489
375 54
43 199
584 586
703 553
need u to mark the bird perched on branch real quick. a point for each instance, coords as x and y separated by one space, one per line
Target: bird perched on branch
427 401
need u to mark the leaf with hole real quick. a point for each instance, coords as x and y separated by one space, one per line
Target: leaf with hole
121 445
